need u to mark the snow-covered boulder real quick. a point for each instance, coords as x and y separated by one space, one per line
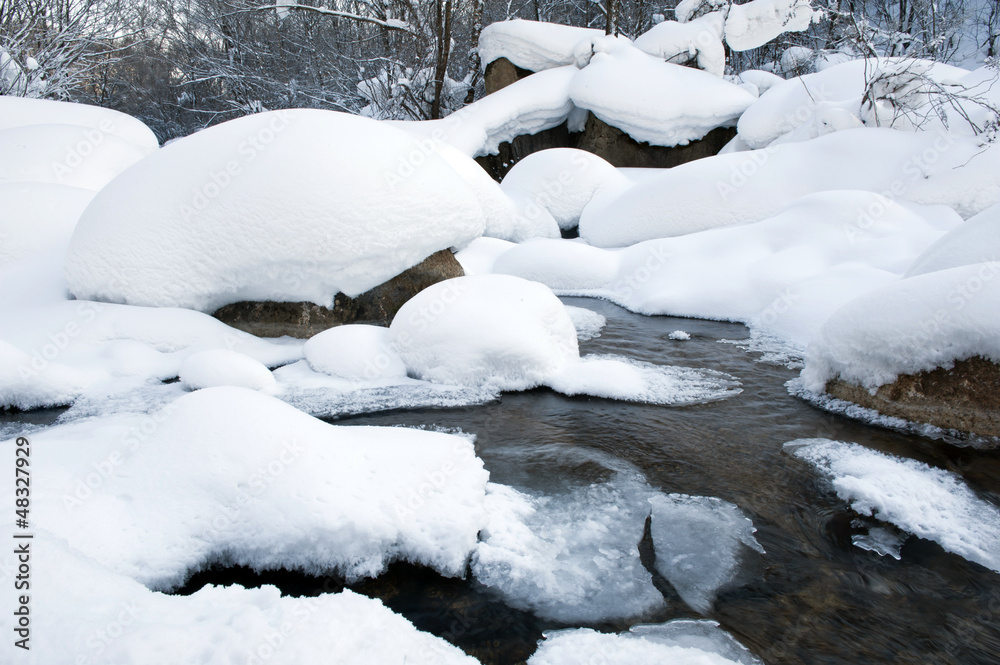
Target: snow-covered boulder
699 40
561 181
755 23
37 215
977 240
284 206
491 329
64 154
654 101
736 188
232 474
96 121
533 45
224 367
354 352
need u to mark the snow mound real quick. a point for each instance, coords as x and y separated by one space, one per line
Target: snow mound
930 503
69 349
699 40
96 615
654 101
615 377
64 155
812 105
358 352
23 111
36 216
587 322
229 474
741 187
572 558
494 330
679 335
975 241
499 212
532 45
479 256
562 181
785 274
913 325
699 543
234 225
223 367
678 642
757 22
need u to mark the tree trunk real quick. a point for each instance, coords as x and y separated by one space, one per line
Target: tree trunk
443 51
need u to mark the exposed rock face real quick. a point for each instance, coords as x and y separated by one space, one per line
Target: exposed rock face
502 72
376 307
619 149
511 153
965 398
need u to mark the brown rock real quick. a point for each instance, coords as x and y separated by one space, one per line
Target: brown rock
965 397
502 72
376 307
621 150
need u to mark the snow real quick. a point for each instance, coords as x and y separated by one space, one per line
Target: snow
678 642
479 256
928 502
913 325
572 558
504 333
679 335
97 122
587 322
498 210
786 274
224 367
230 474
975 241
699 543
233 226
354 352
757 22
69 349
742 187
528 106
830 100
654 101
37 216
63 154
562 181
532 45
485 330
699 40
95 614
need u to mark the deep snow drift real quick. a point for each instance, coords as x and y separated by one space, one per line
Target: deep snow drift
232 225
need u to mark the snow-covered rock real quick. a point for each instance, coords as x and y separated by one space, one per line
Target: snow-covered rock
224 367
97 122
233 475
741 187
242 219
654 101
36 216
977 240
699 40
927 502
755 23
561 181
908 326
64 154
357 351
95 614
489 329
533 45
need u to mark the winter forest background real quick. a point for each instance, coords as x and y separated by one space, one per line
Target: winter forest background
182 65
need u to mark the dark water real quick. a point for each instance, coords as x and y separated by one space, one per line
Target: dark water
816 598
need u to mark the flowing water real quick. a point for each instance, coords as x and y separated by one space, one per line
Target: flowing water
814 597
